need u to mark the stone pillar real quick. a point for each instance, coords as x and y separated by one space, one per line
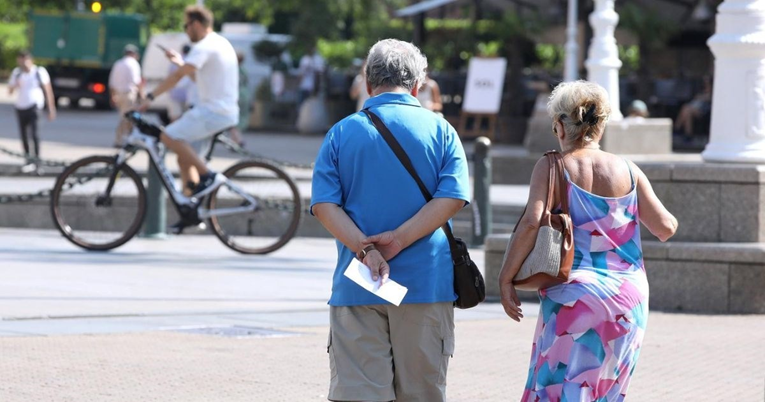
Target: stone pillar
738 97
571 72
603 62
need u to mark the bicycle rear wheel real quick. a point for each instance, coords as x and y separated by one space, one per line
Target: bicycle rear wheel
271 224
86 215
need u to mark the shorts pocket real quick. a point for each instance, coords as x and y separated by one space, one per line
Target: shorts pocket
447 351
331 352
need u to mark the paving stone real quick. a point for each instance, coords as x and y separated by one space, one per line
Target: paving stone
684 358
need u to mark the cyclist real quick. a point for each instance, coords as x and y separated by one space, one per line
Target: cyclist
212 63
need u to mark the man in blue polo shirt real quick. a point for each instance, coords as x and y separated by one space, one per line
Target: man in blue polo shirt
365 197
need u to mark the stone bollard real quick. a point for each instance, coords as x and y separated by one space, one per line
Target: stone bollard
481 191
494 256
155 225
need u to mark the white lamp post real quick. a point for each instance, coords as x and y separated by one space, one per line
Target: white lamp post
603 62
571 72
738 97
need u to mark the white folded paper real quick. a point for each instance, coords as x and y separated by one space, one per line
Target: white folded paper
389 291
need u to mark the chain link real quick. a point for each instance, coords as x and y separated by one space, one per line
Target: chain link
236 148
282 206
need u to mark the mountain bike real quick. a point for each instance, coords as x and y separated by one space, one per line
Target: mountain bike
99 202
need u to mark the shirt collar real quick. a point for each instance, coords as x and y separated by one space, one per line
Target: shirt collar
391 98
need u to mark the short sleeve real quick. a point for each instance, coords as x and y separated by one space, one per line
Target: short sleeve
325 184
14 77
197 57
44 76
453 178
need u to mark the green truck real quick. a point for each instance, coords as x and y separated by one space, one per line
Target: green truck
79 49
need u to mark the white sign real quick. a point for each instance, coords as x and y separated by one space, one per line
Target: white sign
485 81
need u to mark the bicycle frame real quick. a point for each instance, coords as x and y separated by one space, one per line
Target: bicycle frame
150 144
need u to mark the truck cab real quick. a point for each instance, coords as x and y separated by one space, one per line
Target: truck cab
78 49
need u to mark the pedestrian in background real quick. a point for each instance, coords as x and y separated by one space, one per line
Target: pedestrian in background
366 198
125 88
358 89
34 89
244 103
430 96
310 71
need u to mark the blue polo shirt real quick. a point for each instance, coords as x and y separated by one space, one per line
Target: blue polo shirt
357 170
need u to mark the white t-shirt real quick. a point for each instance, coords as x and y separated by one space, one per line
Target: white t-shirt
217 74
309 67
125 76
29 86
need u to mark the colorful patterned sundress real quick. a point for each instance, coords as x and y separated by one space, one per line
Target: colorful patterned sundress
590 329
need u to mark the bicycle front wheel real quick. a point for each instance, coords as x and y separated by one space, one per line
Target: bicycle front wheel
92 215
276 214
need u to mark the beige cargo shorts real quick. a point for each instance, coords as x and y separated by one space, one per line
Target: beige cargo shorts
387 353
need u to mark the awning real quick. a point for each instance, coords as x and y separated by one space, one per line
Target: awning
421 7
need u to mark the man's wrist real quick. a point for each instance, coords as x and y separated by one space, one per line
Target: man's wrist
150 96
363 252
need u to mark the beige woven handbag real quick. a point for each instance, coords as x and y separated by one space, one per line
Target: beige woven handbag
549 262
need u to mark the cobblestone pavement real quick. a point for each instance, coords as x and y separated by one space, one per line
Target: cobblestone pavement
685 358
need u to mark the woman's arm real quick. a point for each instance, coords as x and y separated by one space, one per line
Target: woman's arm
437 104
524 239
660 222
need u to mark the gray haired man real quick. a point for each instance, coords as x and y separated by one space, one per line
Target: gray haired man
365 197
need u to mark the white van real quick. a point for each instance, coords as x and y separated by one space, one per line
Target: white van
243 36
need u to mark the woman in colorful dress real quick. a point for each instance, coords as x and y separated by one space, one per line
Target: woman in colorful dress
590 329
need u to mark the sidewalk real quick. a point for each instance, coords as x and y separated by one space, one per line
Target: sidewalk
79 326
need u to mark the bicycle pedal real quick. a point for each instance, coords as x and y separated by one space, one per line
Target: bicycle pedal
179 227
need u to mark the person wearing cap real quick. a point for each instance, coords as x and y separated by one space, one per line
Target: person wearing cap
125 88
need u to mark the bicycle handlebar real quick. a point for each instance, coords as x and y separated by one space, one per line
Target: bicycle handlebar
142 124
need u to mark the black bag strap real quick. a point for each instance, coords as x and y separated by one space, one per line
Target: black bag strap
404 158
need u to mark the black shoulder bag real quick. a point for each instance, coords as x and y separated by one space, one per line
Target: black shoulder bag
468 281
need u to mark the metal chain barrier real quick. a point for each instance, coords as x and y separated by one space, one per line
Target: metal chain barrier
35 160
7 199
227 142
234 147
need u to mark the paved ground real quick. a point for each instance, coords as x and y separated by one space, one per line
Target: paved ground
83 326
125 325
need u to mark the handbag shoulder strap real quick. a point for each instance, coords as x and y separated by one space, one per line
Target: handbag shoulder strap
552 164
404 158
562 185
555 178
